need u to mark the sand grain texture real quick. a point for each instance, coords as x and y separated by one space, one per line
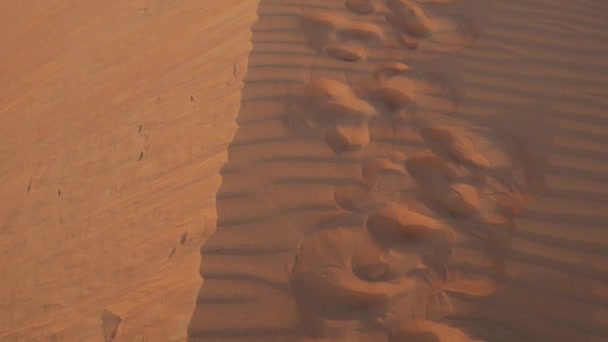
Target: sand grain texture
410 170
340 170
114 118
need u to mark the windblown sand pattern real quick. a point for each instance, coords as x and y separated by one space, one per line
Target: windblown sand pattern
363 201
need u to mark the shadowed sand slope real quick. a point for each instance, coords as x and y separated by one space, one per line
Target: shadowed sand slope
410 170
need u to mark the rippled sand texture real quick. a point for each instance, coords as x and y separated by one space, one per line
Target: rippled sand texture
412 170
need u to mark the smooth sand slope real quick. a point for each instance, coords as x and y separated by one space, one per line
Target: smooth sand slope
411 170
114 120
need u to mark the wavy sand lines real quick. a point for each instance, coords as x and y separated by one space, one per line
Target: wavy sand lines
363 216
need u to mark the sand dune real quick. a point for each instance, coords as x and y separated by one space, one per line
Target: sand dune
114 118
414 170
341 170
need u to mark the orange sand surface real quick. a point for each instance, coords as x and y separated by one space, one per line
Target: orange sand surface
304 170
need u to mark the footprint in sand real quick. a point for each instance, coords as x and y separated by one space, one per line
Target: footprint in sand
364 269
397 90
489 150
351 273
417 25
398 224
427 331
343 112
333 109
467 194
482 179
340 37
342 271
385 181
334 100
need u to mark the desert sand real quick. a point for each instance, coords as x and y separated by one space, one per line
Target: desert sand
304 170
